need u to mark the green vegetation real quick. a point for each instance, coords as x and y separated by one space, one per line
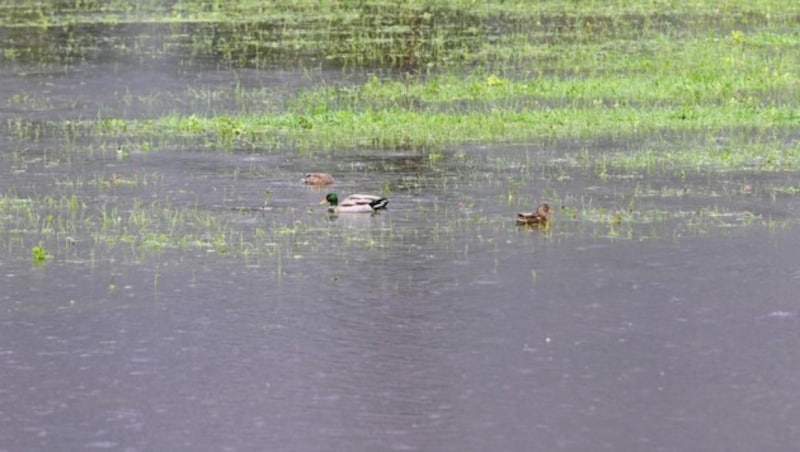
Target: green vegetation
682 87
39 254
504 72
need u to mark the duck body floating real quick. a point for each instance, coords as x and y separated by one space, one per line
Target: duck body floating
318 179
358 203
539 217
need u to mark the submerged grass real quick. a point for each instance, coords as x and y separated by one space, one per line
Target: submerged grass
404 129
74 230
96 233
688 85
703 84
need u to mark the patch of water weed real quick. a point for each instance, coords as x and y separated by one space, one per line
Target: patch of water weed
648 221
39 254
246 33
591 72
129 229
406 35
772 154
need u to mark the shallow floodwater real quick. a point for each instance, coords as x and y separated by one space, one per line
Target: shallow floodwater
619 346
436 325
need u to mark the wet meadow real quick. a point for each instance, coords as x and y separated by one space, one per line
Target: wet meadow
167 282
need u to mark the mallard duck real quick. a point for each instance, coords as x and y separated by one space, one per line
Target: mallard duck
355 203
318 179
539 217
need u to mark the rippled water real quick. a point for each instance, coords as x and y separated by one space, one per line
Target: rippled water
473 338
436 325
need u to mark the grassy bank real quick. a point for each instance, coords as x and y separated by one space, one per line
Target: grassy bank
467 73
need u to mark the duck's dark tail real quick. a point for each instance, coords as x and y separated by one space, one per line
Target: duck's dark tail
379 204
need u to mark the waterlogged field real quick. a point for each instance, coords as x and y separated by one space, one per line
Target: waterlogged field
169 283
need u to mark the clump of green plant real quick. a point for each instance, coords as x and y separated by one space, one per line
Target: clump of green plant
39 254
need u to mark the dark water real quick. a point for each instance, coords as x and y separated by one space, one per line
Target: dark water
475 337
434 326
619 346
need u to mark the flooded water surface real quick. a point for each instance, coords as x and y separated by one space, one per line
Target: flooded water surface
434 325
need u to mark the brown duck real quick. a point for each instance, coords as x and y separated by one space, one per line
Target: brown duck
539 217
318 179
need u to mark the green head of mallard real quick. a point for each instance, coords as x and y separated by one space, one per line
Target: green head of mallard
331 199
